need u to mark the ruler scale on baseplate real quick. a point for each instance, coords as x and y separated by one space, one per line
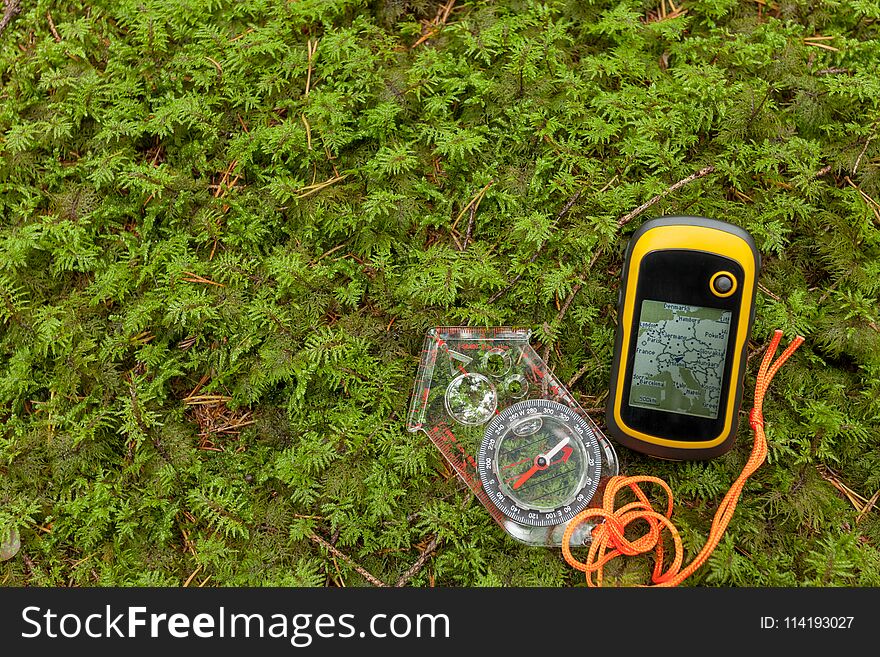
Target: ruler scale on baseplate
463 464
510 430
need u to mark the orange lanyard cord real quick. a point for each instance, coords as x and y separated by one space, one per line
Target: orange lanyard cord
608 540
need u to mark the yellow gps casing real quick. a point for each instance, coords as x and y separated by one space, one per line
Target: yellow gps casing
685 310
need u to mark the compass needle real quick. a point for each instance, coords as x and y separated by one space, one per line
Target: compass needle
542 462
528 473
558 448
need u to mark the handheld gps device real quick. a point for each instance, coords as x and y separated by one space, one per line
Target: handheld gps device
685 311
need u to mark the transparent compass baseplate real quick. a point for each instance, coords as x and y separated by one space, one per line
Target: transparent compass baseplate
511 431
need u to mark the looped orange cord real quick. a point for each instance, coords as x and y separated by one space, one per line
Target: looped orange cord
608 540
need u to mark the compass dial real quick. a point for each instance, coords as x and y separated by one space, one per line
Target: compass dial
539 462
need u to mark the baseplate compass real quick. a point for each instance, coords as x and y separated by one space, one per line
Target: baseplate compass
511 431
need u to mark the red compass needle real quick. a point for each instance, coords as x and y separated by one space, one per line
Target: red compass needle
542 462
528 473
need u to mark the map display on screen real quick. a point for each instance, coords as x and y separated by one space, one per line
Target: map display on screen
679 361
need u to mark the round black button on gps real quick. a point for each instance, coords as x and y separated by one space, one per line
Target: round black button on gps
723 284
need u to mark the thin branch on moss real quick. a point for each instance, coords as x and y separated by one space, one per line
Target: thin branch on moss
195 278
768 292
216 65
13 8
418 564
434 25
473 204
311 189
308 130
325 254
702 173
874 205
862 154
470 228
583 370
858 501
705 171
372 579
576 288
311 49
192 576
52 27
868 506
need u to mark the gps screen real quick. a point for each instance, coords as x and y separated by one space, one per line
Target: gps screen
679 361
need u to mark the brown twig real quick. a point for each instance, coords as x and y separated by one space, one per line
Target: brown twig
475 204
434 25
816 41
470 228
444 11
13 7
754 352
191 577
246 32
222 186
661 14
187 342
195 278
419 563
372 579
474 201
768 292
52 27
859 503
862 154
188 545
867 507
427 35
308 130
325 254
705 171
564 211
216 65
80 562
579 374
564 308
311 189
874 205
576 289
311 49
